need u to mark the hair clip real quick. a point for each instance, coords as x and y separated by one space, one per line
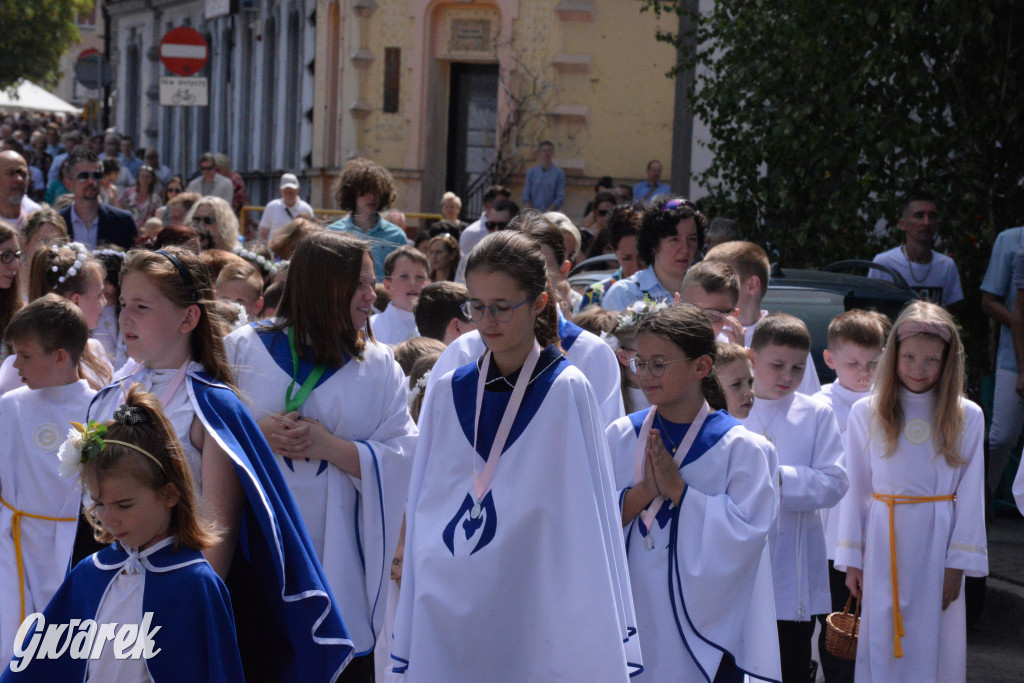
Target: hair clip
129 415
674 204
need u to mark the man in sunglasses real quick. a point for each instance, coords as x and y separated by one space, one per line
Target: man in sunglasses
209 182
88 221
15 206
497 217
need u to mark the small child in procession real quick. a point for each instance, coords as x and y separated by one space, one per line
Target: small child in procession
913 522
152 575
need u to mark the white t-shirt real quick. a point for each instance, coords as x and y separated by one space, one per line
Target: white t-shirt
938 281
277 214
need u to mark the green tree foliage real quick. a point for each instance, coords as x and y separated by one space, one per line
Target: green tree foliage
35 34
823 114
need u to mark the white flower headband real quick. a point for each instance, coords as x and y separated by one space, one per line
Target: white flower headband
421 386
632 314
81 253
261 261
108 252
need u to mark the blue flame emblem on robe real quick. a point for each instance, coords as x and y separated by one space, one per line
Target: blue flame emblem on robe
483 526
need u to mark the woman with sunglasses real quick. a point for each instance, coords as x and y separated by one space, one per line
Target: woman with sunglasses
215 222
697 508
11 257
143 198
174 187
513 545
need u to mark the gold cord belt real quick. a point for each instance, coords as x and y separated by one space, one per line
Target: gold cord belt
892 500
16 534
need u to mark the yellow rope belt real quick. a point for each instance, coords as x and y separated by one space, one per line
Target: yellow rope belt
16 534
892 500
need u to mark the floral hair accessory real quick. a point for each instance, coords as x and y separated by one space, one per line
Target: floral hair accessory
83 443
81 253
632 314
421 386
265 266
108 252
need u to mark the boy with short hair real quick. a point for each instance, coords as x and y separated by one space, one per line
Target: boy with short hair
406 273
855 341
439 312
806 438
240 282
39 508
714 287
753 269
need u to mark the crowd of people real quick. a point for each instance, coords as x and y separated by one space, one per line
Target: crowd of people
331 452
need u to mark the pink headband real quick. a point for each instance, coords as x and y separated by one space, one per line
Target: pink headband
912 327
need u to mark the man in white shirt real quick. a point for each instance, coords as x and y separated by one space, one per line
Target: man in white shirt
14 204
932 275
477 230
279 212
210 182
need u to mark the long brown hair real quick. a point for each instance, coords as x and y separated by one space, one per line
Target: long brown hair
520 257
323 276
947 415
155 436
207 339
10 300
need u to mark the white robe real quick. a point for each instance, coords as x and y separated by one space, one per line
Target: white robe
393 326
587 352
10 379
540 590
930 536
806 438
33 425
840 400
353 522
720 597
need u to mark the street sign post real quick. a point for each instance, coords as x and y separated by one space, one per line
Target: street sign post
92 70
178 91
184 51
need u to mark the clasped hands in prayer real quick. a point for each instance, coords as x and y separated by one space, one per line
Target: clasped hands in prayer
291 435
661 473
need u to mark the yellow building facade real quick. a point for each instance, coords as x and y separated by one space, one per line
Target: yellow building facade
440 92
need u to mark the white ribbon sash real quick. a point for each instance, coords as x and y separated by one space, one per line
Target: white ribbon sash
482 480
640 453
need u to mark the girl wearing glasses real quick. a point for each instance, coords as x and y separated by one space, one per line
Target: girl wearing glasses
697 506
332 402
11 257
513 547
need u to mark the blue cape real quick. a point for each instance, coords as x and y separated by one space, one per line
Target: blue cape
289 625
189 602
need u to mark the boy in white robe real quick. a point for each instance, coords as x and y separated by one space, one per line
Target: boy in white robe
405 275
753 268
806 437
39 507
855 340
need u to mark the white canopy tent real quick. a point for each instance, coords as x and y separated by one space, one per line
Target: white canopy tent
28 95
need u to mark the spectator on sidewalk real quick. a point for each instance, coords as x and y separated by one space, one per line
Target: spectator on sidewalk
646 190
545 182
280 212
209 182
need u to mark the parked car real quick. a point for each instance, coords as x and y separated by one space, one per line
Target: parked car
814 296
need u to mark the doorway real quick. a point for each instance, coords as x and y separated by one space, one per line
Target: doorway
472 127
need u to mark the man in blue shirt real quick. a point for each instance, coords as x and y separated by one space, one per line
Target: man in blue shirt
545 183
652 187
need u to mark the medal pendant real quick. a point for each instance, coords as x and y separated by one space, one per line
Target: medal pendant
475 512
649 542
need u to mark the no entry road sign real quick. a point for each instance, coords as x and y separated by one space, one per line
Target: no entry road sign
184 51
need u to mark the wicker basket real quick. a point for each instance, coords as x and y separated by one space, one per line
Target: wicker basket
843 630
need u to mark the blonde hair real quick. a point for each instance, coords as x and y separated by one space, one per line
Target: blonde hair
225 234
947 415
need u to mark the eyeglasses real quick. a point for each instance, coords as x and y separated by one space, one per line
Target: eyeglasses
7 256
656 366
205 168
496 225
677 204
603 212
89 175
174 190
502 313
201 220
715 314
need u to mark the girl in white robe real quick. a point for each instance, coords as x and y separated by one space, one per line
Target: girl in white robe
698 506
346 448
912 523
514 566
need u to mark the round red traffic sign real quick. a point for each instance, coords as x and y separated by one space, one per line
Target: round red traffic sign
184 51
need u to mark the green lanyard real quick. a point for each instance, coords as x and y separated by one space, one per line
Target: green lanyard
292 404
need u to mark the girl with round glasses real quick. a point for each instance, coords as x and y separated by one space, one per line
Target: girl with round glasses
697 509
512 525
11 257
